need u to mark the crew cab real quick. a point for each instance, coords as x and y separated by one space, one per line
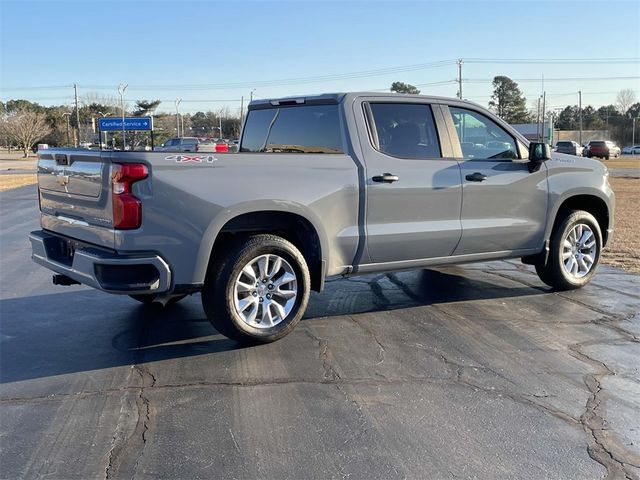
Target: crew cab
323 186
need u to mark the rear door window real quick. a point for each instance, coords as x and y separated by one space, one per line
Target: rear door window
405 130
301 129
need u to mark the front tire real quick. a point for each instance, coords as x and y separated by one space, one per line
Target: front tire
259 291
574 252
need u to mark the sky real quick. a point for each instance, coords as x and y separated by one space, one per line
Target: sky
210 53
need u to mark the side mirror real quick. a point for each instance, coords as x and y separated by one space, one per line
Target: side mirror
538 153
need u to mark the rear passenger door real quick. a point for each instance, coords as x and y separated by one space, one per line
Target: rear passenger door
413 186
504 206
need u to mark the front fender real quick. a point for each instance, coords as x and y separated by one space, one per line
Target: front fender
575 181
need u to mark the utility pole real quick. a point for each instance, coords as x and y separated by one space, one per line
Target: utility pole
220 120
75 91
241 111
460 62
580 107
251 95
177 102
633 134
544 101
121 88
538 120
68 115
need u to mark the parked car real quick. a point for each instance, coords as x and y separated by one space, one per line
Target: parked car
569 147
206 145
631 150
255 231
603 149
179 144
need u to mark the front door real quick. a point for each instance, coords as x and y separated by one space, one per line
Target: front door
413 191
504 206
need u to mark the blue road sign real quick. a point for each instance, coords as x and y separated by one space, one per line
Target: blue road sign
114 124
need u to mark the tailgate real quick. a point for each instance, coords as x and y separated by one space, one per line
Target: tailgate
75 199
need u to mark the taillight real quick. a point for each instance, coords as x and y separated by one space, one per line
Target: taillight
127 209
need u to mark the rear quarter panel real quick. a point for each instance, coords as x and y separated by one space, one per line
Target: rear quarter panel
186 203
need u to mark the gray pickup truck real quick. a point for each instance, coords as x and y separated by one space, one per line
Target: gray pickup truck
323 186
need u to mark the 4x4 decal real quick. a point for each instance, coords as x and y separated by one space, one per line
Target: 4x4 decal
191 158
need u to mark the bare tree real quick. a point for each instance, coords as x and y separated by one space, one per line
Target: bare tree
625 99
25 128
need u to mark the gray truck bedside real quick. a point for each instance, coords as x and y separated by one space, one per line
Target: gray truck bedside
322 186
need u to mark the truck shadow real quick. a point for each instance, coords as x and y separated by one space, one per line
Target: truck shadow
391 291
85 330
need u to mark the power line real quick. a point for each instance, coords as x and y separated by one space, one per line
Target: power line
558 79
553 61
291 81
352 75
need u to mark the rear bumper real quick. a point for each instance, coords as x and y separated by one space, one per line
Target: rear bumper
100 268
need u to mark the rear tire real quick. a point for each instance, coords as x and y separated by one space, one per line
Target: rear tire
258 291
574 252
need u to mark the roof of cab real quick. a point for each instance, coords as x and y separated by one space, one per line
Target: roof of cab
335 98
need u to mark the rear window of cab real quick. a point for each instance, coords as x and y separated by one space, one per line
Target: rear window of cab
299 129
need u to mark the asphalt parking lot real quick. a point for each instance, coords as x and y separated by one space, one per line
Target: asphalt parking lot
477 371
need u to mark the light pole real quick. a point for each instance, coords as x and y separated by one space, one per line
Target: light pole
633 134
580 106
460 62
177 102
102 115
251 95
67 114
121 88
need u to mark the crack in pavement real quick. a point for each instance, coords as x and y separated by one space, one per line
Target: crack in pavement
361 416
126 451
381 349
458 371
612 455
329 373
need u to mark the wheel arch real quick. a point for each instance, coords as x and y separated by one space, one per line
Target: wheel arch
589 201
292 222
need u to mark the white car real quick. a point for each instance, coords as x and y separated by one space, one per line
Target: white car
631 150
